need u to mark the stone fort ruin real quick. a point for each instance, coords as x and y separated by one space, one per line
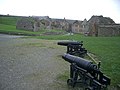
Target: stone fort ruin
101 26
95 26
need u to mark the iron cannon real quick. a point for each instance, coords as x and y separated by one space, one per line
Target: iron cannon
74 48
86 72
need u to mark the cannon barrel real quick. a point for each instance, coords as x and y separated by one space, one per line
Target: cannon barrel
69 43
80 62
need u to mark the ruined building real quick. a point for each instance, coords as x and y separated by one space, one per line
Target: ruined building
77 27
38 23
25 24
101 26
95 26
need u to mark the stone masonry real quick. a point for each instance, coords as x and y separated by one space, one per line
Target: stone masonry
25 24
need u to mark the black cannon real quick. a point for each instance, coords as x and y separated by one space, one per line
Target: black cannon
74 48
85 72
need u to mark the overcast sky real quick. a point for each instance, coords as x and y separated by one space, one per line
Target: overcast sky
70 9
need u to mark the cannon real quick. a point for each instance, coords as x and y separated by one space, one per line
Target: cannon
74 48
85 72
70 43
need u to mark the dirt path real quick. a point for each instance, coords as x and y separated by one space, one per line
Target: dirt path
32 64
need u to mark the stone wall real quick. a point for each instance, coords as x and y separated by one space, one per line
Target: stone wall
77 27
41 23
36 26
109 30
102 26
25 24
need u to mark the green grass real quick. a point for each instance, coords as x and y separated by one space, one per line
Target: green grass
107 50
8 26
9 20
60 37
9 29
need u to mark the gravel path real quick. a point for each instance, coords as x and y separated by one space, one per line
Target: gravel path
32 64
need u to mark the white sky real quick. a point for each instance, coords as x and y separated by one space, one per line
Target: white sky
70 9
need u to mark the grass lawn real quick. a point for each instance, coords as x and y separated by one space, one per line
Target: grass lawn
12 30
107 50
9 20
